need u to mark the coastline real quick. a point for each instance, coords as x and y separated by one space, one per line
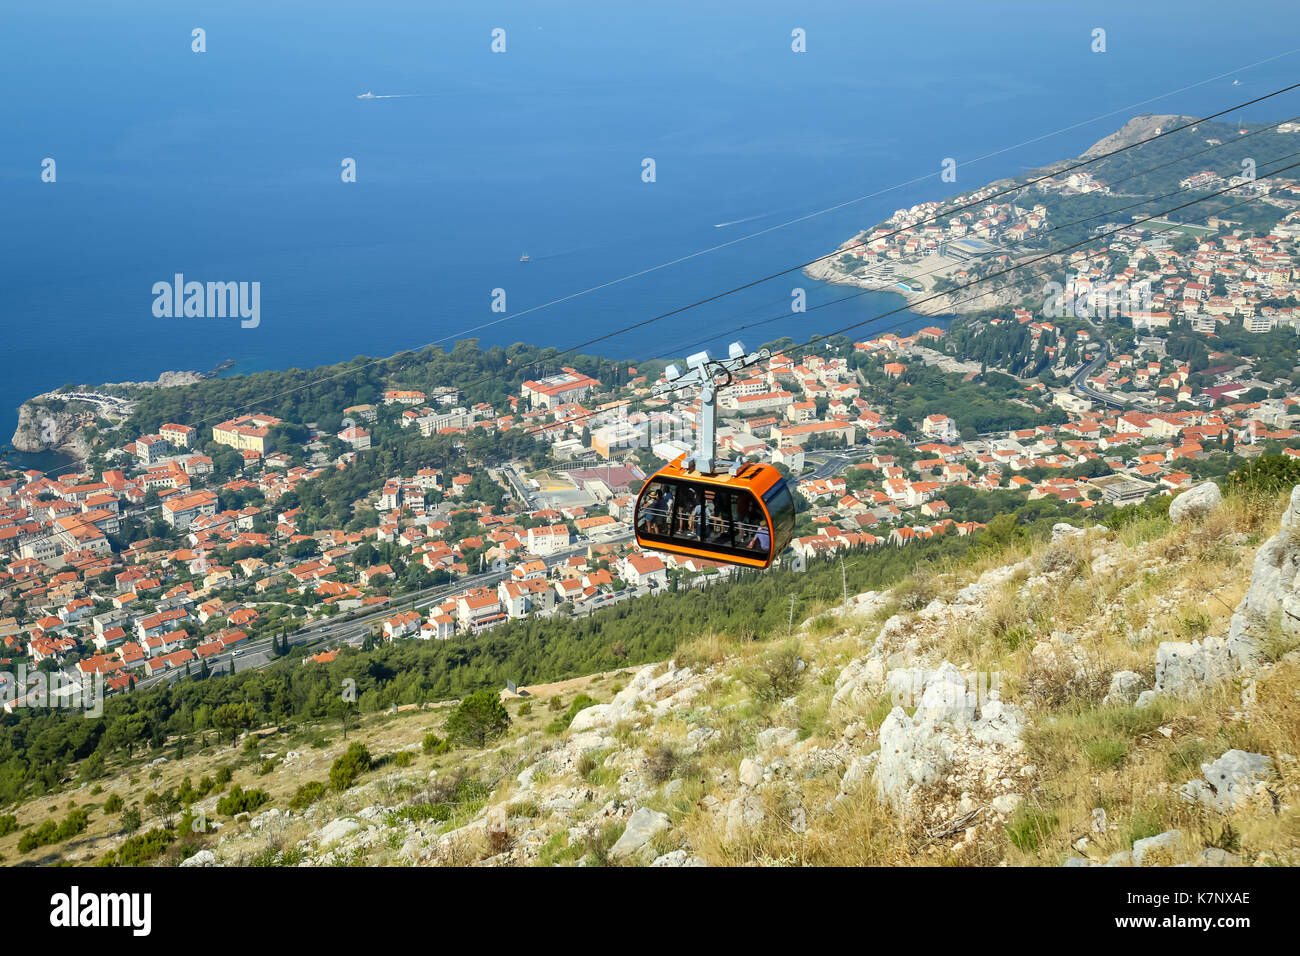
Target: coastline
46 428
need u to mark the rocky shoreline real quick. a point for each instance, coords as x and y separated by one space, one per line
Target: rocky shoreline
45 429
920 302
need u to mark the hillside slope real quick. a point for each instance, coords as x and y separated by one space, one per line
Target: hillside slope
1111 696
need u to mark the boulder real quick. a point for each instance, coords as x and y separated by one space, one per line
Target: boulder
1274 594
1213 856
1062 530
859 768
678 858
743 814
1006 803
336 830
1153 850
751 772
952 734
1234 781
777 738
597 715
1195 503
642 826
202 858
1125 686
1184 668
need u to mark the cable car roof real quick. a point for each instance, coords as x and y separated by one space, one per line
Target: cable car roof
756 477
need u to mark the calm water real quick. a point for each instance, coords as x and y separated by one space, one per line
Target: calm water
226 165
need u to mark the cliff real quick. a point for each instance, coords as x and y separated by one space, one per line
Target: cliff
49 422
41 428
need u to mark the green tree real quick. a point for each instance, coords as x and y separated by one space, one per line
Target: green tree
354 762
232 718
480 717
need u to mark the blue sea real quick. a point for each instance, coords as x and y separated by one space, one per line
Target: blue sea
225 165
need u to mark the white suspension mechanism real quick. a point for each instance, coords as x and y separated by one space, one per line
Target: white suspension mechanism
709 374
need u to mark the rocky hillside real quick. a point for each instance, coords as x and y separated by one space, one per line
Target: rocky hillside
41 428
45 424
1136 130
1111 697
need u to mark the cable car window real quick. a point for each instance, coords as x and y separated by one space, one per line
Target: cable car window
656 514
687 519
752 532
717 516
780 505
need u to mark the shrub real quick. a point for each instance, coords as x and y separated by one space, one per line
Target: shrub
49 832
560 724
1029 827
480 717
306 795
1267 474
354 762
403 758
240 801
113 804
776 678
661 761
139 850
8 824
433 744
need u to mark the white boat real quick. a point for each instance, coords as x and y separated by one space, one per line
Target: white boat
367 95
524 257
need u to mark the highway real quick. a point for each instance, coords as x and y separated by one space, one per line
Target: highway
352 630
1079 380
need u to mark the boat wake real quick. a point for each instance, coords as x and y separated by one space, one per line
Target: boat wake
737 222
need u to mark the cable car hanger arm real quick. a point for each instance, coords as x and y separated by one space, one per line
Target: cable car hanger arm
709 374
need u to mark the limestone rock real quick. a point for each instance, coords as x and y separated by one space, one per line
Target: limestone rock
751 772
777 738
952 735
743 814
1234 781
1125 686
642 826
1195 503
1006 803
1274 594
1184 668
1213 856
1152 850
859 768
678 858
202 858
336 830
1062 530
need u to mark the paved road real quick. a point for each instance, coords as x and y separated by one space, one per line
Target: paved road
835 462
333 633
1079 380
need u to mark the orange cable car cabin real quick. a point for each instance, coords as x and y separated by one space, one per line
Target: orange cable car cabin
746 518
